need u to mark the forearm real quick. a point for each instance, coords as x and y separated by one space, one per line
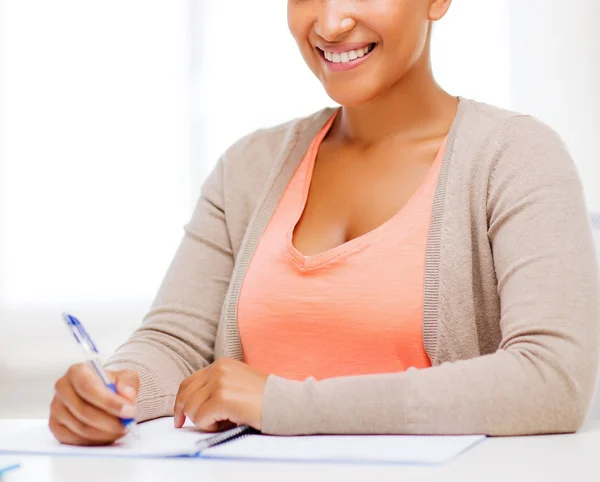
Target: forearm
507 393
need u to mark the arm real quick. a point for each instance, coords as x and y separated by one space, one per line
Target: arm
178 334
542 377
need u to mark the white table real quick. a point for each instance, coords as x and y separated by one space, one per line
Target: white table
542 458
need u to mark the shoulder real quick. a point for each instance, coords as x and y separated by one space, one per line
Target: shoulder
502 159
504 125
522 161
512 141
508 128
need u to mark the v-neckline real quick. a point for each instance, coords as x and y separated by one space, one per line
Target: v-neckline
312 261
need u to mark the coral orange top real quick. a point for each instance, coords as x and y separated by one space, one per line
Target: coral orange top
354 309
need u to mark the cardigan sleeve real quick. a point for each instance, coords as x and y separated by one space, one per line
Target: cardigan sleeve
542 377
177 336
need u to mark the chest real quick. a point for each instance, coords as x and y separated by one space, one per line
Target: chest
351 193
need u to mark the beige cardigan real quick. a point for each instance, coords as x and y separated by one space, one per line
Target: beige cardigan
511 304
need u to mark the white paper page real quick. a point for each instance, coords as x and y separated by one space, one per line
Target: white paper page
8 463
410 449
157 438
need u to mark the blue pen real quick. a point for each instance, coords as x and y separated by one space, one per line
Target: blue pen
91 354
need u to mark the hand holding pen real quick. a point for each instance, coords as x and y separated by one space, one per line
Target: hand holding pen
92 406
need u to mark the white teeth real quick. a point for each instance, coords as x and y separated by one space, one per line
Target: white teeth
346 56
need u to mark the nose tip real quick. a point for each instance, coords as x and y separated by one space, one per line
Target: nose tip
333 27
348 23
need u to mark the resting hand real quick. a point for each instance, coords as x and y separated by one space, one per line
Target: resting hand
224 393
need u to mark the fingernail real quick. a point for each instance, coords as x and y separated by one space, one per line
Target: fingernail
129 391
127 411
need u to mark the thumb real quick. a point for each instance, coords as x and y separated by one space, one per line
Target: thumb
128 383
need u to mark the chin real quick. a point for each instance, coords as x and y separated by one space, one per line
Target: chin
348 96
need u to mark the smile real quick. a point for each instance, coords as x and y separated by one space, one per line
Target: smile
339 61
344 57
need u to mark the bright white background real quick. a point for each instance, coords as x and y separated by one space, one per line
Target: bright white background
112 114
95 166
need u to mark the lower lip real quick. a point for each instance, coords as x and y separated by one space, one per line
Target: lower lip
344 66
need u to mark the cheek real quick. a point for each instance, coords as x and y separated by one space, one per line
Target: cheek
404 44
300 30
401 52
298 20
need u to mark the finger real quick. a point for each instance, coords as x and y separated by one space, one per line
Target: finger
86 413
209 415
87 435
127 383
183 396
180 402
89 387
196 399
63 434
215 427
192 378
179 417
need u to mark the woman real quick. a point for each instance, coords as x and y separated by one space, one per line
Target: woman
411 263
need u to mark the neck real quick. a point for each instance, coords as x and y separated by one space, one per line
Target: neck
416 107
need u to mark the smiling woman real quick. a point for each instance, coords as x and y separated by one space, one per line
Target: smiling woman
410 262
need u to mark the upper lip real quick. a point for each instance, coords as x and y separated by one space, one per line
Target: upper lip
339 48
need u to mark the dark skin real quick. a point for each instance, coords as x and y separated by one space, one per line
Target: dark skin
393 120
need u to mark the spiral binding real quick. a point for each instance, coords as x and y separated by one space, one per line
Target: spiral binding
226 436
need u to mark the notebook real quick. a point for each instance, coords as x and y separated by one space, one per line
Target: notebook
159 438
7 463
